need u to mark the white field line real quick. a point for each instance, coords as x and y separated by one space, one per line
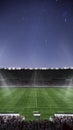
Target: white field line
42 107
37 107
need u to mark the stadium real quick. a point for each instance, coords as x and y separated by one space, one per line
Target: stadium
36 64
36 95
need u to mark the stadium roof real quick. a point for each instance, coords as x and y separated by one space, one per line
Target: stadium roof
19 68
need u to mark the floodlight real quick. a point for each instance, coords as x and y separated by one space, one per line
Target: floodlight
71 67
9 68
36 68
31 68
18 68
52 68
56 68
13 68
43 68
66 68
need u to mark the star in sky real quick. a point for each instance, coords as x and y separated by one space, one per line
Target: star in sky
57 0
36 33
65 20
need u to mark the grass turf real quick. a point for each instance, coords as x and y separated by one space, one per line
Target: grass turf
25 101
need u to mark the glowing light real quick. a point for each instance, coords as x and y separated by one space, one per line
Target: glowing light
6 90
71 67
68 90
36 68
57 68
9 68
31 68
66 68
18 68
43 68
51 68
13 68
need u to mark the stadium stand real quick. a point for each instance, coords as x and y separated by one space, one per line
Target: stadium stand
63 122
50 77
17 123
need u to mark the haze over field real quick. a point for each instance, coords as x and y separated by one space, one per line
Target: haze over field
47 101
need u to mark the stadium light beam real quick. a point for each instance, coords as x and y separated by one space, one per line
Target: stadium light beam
68 90
4 85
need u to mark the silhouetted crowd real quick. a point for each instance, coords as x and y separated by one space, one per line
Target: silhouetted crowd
63 122
18 123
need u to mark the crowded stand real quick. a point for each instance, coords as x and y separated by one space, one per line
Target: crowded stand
49 77
63 121
19 123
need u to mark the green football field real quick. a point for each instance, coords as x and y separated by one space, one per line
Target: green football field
47 101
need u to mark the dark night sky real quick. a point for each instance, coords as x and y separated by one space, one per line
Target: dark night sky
36 33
